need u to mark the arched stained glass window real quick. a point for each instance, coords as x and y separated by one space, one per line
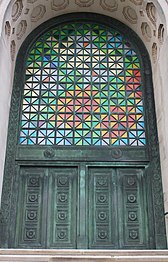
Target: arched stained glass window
83 87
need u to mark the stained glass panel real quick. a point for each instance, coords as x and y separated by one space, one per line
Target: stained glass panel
82 87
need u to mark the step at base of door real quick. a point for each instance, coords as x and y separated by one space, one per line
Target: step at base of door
34 255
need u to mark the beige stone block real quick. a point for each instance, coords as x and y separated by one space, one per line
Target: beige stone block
83 255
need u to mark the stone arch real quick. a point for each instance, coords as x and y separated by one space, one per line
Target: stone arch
147 18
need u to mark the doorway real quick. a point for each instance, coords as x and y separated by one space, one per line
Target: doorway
82 166
82 206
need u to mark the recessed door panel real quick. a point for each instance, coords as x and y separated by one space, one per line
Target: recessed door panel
62 203
132 211
102 208
31 219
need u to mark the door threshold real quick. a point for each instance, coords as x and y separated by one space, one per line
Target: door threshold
55 255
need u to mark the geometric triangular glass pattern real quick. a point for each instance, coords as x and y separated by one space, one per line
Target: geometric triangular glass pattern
83 87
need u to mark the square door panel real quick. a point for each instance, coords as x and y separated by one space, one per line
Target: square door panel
62 208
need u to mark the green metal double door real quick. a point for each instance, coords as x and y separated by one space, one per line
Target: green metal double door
93 205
